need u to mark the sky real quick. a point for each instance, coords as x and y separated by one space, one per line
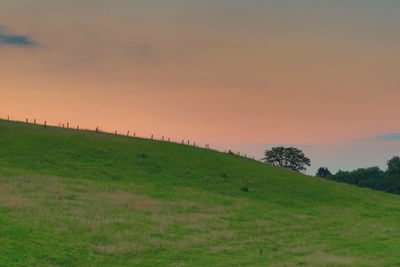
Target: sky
246 75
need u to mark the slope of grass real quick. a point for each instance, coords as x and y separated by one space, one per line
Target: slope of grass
70 198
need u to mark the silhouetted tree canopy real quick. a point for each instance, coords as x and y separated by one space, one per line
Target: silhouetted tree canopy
394 165
364 177
287 157
323 172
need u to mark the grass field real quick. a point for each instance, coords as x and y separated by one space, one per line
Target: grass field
76 198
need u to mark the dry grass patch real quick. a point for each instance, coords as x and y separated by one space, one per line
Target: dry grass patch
11 201
324 259
3 187
119 248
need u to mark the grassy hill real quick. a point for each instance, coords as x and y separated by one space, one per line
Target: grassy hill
76 198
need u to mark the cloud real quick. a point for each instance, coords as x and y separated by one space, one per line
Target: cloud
389 137
15 40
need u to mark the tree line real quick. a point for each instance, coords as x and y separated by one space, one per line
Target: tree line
372 177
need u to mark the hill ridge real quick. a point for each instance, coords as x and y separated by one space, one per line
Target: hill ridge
130 134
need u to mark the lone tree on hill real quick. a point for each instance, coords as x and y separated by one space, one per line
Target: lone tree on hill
287 157
323 172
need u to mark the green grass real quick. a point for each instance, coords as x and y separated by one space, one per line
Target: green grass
77 198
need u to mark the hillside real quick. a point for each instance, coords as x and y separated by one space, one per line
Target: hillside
77 198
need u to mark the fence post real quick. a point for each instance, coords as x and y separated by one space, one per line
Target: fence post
34 121
115 132
77 127
63 125
169 139
8 118
26 120
127 134
163 138
67 125
97 129
134 135
194 144
45 124
152 136
183 142
188 142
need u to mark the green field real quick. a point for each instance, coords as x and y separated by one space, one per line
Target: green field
77 198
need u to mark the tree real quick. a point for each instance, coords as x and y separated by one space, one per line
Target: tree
287 157
394 165
323 172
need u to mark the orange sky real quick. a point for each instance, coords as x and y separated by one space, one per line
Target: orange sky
219 72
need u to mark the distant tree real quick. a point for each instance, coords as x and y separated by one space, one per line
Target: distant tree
394 165
287 157
323 172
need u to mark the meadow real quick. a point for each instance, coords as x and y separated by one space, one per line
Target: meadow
81 198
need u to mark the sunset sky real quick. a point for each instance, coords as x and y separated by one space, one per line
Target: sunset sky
323 75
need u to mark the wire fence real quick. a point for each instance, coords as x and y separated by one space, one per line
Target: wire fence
162 138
